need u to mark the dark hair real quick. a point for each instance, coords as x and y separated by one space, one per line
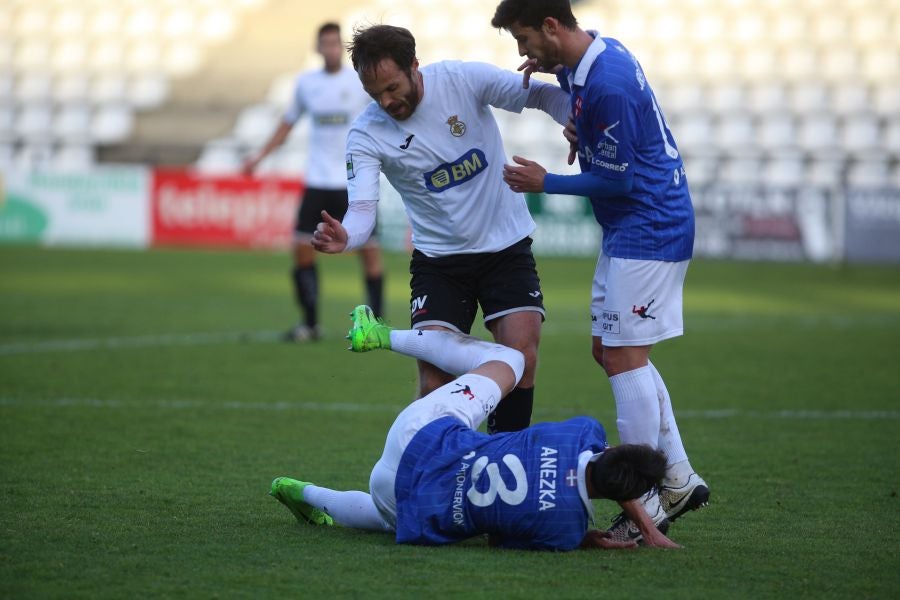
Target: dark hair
371 45
531 13
628 471
329 27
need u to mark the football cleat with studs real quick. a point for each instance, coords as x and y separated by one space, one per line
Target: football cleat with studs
368 332
290 493
691 496
624 529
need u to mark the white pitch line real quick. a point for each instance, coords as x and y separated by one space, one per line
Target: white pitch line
283 406
139 341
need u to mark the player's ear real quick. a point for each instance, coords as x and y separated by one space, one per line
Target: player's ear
549 26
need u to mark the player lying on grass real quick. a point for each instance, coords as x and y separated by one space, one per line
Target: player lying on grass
440 481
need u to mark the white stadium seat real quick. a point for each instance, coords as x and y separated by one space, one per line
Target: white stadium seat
860 133
892 137
148 90
818 133
112 123
73 122
256 123
887 99
785 170
35 122
869 173
108 88
850 98
694 132
741 170
777 131
726 98
219 157
71 87
825 171
73 157
735 132
34 88
809 97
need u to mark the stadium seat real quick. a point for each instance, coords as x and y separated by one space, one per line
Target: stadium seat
107 55
892 137
73 122
70 55
220 156
182 58
112 123
144 57
35 122
71 88
809 97
256 123
777 131
148 90
73 157
744 170
34 88
693 132
818 132
281 90
69 21
825 172
881 64
735 131
682 98
701 169
887 99
33 156
798 63
108 88
839 64
726 98
870 173
768 97
32 56
860 133
850 98
784 170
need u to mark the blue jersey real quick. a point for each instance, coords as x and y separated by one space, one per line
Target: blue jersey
525 488
622 132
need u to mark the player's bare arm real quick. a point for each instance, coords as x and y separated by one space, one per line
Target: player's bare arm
652 536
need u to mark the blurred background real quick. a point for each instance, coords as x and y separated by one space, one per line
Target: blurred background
124 122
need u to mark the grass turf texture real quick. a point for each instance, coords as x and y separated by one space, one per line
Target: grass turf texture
136 463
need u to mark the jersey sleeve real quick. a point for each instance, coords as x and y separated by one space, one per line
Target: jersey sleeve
613 121
363 168
495 86
297 106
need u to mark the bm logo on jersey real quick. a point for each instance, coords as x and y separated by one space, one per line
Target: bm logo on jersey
461 170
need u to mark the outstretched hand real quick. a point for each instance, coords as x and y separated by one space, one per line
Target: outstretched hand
330 236
531 66
597 538
529 177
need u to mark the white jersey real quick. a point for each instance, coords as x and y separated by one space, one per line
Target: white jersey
332 100
446 160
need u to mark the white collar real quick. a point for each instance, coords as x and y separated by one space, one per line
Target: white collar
583 459
590 55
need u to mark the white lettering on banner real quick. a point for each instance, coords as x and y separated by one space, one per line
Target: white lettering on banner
210 206
547 479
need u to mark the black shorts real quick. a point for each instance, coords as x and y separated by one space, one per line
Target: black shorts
447 290
313 202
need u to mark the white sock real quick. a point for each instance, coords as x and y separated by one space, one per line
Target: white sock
677 474
637 408
453 352
350 509
669 438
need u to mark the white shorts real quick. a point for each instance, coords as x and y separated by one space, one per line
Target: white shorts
637 302
469 398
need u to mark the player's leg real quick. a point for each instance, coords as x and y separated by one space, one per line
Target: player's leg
452 352
510 295
304 274
316 505
442 298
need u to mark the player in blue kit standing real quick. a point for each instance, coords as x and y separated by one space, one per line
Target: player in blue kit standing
440 481
635 179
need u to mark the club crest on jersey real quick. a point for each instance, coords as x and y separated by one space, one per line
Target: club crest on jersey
455 173
457 127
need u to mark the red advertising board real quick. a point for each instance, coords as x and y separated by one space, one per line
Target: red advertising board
192 209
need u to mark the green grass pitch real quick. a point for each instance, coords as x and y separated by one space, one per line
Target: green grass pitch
144 409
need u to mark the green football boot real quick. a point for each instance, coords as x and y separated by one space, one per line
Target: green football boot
368 332
290 493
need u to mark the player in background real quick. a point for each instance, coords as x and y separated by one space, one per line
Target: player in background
635 179
333 97
432 133
440 481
